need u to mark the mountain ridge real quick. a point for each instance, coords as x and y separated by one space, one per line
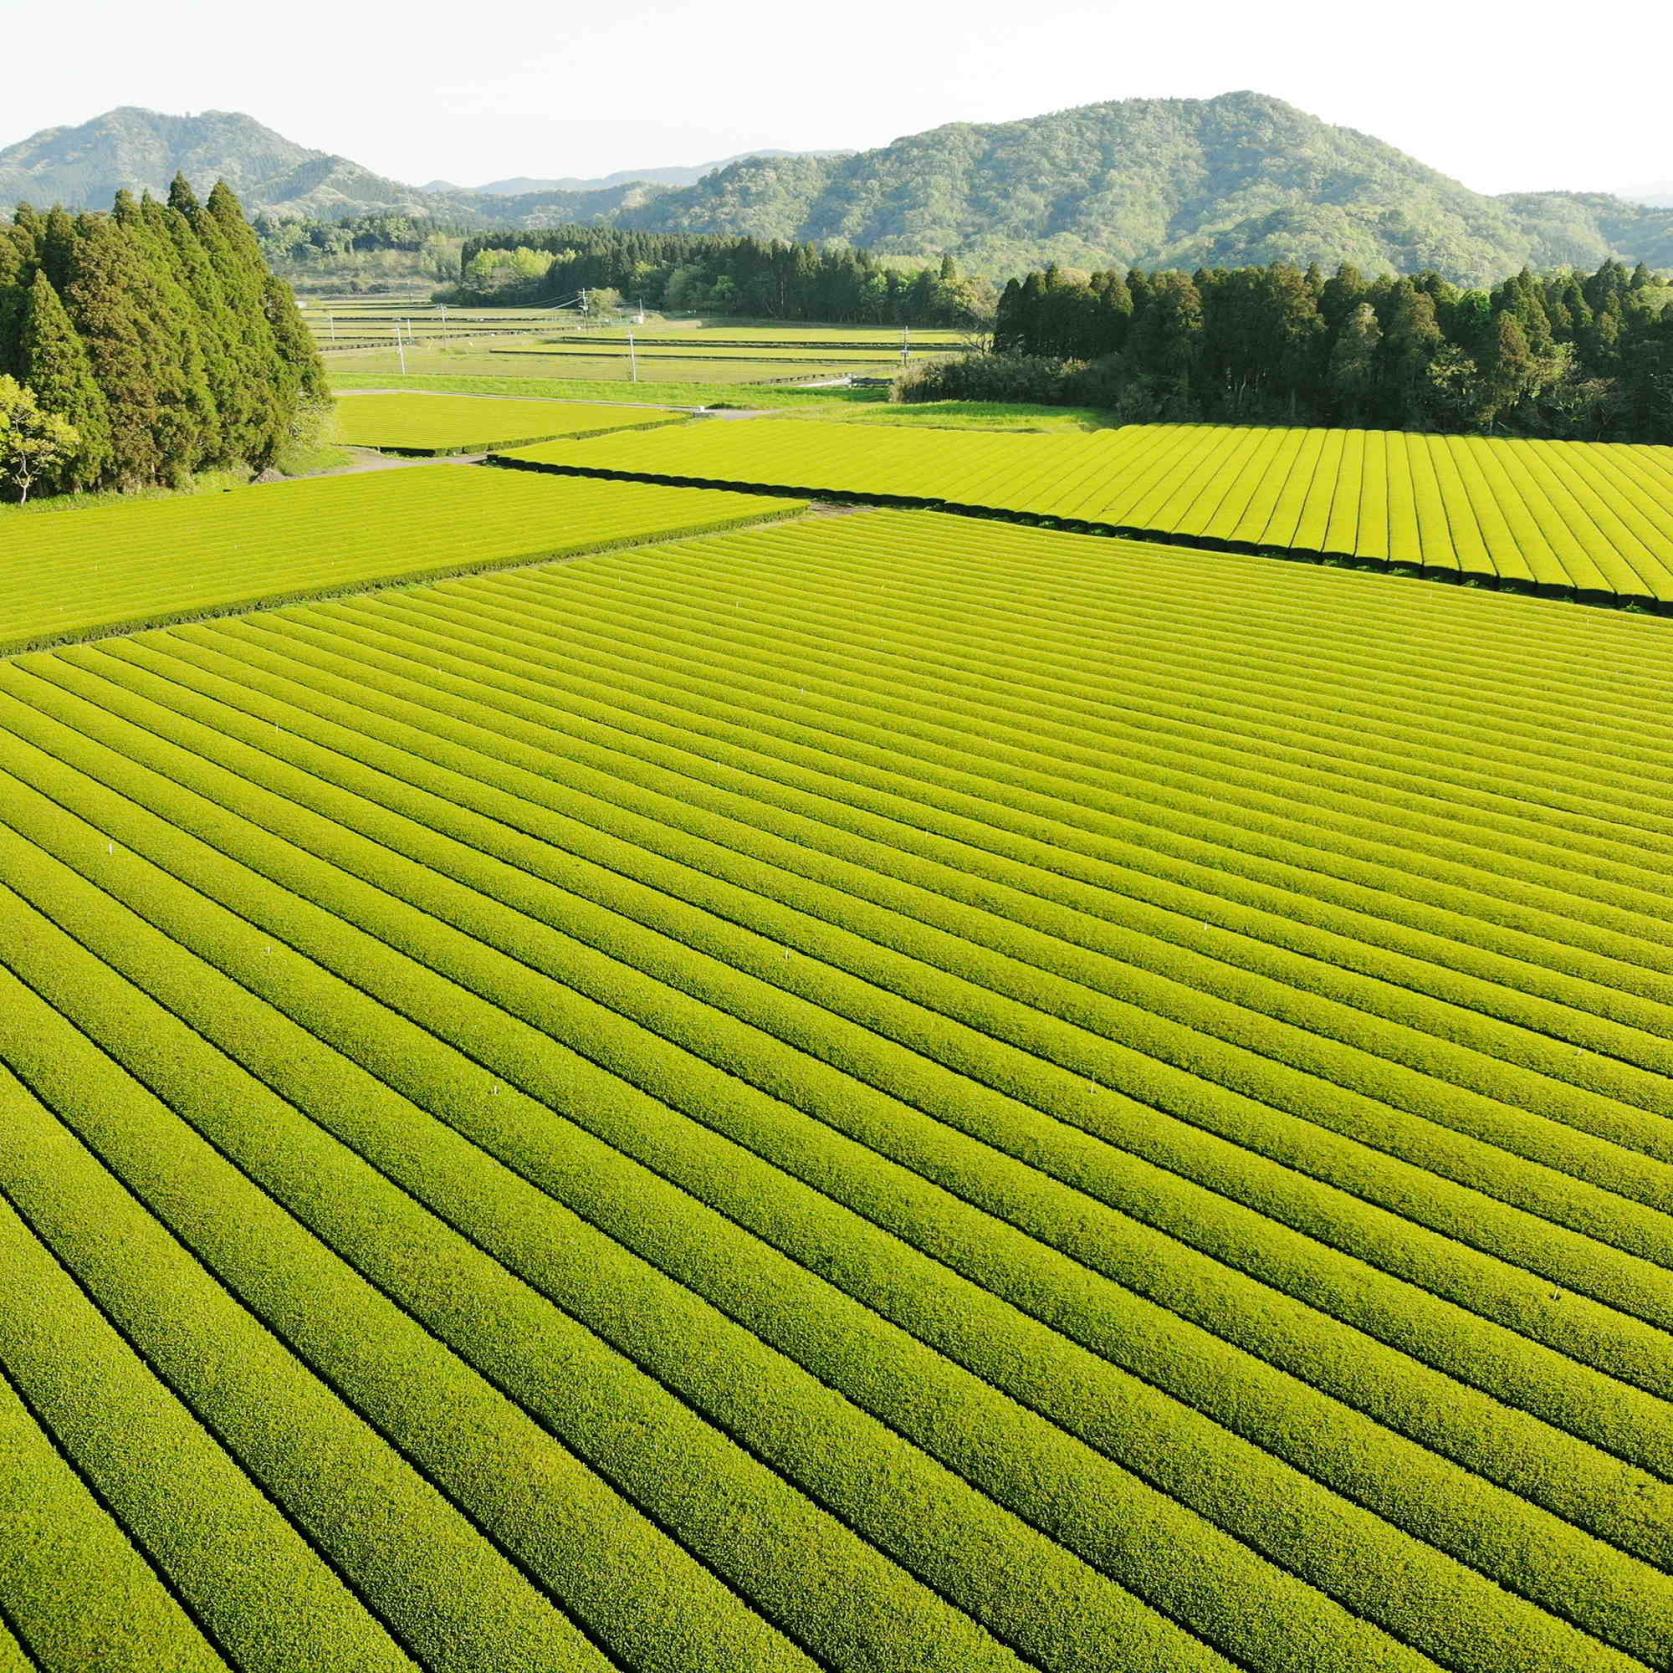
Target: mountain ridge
1241 178
1237 179
522 185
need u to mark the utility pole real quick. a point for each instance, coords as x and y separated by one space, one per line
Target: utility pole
401 349
632 360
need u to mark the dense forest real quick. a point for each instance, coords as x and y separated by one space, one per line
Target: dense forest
1234 181
139 346
756 278
1566 355
365 253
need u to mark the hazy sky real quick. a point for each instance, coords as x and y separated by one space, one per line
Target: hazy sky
1505 98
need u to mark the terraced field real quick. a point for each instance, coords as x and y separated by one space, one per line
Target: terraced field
1581 518
421 423
66 575
887 1092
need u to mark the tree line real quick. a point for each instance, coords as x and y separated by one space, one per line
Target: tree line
361 253
712 274
1564 355
140 346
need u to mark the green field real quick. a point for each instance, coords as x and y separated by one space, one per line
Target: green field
425 423
712 355
382 365
120 565
864 406
347 316
789 358
1575 518
778 334
883 1092
358 332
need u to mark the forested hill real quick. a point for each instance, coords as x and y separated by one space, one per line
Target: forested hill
1238 180
134 150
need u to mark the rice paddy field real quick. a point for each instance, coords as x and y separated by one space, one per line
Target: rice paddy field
1587 519
824 1088
425 423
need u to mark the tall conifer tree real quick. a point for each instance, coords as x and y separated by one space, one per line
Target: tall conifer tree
53 361
199 417
263 423
14 278
113 308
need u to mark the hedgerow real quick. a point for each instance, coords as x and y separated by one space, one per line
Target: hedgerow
1424 1196
633 1590
988 1559
1569 1199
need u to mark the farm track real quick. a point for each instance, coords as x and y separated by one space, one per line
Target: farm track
837 1005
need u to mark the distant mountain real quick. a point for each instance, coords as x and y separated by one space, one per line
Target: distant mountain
1136 182
522 186
1661 196
1160 182
85 166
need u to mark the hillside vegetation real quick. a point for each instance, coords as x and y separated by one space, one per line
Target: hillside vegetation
129 149
1238 179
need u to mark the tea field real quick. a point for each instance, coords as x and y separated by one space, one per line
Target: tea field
872 1092
423 423
1574 518
101 569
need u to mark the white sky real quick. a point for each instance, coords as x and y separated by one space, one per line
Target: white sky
1505 98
